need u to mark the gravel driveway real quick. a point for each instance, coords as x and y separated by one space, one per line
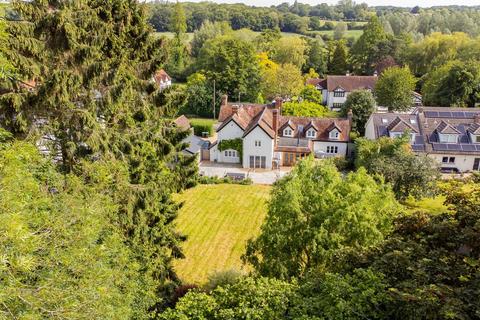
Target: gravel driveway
258 176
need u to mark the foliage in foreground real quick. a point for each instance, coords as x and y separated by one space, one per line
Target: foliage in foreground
426 268
410 174
315 213
62 254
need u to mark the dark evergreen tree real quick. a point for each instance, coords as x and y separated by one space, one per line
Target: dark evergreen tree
338 64
89 65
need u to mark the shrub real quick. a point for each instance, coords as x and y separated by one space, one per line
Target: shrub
222 279
226 180
200 128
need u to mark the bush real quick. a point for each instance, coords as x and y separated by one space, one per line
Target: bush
222 279
226 180
200 128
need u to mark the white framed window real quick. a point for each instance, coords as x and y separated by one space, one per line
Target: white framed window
226 153
311 133
477 139
448 138
288 132
395 134
334 134
258 143
339 93
337 105
332 149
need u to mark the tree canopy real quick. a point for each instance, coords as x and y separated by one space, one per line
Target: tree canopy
394 89
314 214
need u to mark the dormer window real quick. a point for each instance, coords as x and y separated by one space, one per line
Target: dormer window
288 132
477 139
448 138
311 133
334 134
394 135
339 92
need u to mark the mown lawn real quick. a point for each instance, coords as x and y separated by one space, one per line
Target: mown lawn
202 121
218 220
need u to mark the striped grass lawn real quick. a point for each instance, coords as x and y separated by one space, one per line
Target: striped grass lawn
218 220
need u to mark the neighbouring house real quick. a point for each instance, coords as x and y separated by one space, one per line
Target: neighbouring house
449 135
335 89
259 136
162 79
194 144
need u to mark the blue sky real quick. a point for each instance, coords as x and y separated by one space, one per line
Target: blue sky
403 3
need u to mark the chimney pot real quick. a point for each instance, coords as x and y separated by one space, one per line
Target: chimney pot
350 116
224 100
476 118
278 104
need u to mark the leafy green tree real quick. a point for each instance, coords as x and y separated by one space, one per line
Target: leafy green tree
338 64
63 254
200 96
266 41
362 104
315 213
248 298
456 84
360 294
340 30
410 174
304 109
208 30
290 50
394 89
316 57
178 55
234 66
365 46
312 94
178 20
430 261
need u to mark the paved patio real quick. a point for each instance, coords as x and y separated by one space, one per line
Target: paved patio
258 176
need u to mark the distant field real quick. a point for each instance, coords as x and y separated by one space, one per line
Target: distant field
202 121
218 220
350 33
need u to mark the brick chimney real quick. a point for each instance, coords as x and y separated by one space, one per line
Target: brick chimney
350 117
278 104
235 108
476 118
275 116
224 100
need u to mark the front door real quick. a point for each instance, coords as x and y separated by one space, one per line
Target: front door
476 164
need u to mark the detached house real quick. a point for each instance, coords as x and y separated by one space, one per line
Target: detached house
269 139
449 135
162 79
335 89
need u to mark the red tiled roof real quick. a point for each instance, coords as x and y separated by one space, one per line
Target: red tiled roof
249 116
227 110
182 122
161 76
322 125
316 81
351 83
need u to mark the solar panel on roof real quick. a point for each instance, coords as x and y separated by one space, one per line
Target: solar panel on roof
431 114
458 115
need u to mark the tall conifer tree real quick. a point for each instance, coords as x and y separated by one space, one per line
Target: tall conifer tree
88 64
